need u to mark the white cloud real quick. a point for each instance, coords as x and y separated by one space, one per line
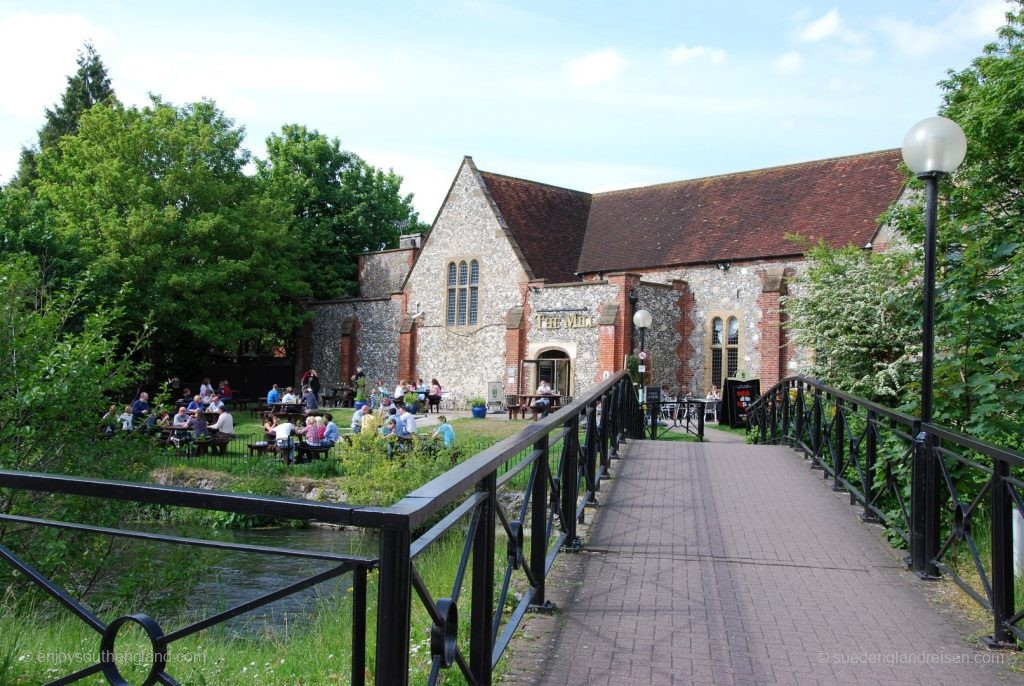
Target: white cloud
821 28
981 20
685 53
788 63
597 67
39 51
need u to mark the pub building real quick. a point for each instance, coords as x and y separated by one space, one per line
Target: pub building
520 281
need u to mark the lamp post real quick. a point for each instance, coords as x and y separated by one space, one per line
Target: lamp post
932 149
642 321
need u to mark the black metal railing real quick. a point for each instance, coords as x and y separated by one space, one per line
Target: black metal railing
942 492
529 491
687 414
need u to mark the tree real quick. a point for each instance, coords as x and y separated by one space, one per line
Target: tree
154 204
855 309
340 206
979 348
88 86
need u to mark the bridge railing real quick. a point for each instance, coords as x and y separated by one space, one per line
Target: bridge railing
528 492
948 496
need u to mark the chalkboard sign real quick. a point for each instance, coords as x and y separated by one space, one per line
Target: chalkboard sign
739 394
653 394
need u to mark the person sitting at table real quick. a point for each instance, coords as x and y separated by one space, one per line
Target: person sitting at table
434 395
369 421
195 406
311 432
180 420
543 404
406 423
206 390
445 432
388 435
400 390
224 391
225 424
309 400
386 405
199 426
185 398
289 397
126 418
273 395
357 418
140 408
283 431
215 404
164 420
331 431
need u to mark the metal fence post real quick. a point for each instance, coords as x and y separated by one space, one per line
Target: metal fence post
394 602
799 431
816 440
839 440
700 421
539 520
785 410
481 638
570 482
870 458
918 501
605 412
1002 555
591 450
654 408
932 522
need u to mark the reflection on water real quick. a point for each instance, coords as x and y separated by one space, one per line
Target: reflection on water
230 578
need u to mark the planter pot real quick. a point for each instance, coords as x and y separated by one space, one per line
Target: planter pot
359 404
479 412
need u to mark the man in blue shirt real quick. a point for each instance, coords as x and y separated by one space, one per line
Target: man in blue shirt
273 396
445 432
331 431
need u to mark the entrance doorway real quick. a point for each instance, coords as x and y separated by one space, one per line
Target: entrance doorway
552 366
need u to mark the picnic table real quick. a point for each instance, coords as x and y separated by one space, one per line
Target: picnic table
519 405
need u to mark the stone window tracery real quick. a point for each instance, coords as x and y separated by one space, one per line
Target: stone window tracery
463 293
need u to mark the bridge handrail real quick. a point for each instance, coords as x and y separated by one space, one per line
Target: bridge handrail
952 477
562 457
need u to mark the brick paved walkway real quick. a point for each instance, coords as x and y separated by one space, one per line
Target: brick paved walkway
736 564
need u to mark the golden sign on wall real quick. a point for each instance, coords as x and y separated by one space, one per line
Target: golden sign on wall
563 320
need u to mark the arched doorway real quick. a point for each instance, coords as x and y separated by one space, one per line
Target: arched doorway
553 366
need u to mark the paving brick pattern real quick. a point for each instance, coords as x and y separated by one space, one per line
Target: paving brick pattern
736 564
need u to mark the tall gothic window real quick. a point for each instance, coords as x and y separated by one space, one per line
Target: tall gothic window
463 293
724 352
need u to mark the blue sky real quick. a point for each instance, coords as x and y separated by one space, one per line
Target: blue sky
589 95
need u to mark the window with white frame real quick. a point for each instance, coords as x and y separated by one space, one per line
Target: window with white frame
723 354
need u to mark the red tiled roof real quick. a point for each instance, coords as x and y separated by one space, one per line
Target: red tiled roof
741 216
733 217
547 222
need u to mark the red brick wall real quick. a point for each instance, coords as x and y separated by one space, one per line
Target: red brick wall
773 354
621 342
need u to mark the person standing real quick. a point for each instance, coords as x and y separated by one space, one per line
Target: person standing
445 432
314 383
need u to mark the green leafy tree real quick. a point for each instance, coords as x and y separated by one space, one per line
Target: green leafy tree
856 310
153 203
88 86
340 206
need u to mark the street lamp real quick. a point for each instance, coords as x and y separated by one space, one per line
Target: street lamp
932 149
642 321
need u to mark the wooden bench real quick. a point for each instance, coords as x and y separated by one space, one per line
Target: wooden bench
305 453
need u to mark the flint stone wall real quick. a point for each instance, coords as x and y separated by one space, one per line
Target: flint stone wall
377 335
581 300
384 272
464 359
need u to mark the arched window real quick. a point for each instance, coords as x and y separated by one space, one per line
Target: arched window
463 293
724 352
